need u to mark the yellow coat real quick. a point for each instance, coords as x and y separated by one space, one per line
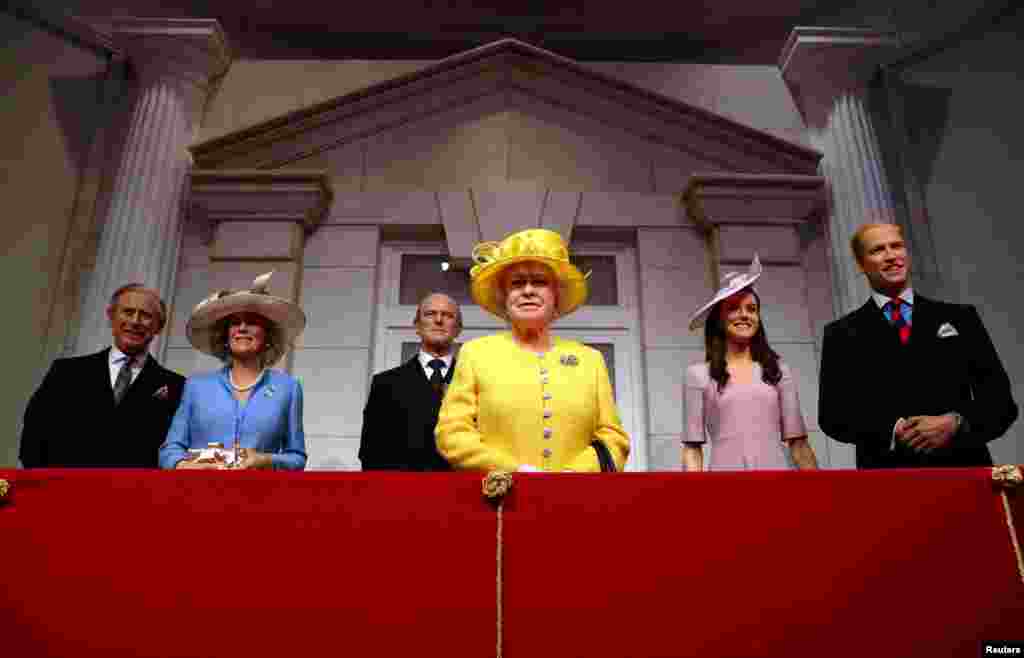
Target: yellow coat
507 406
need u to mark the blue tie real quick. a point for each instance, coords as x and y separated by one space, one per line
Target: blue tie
436 378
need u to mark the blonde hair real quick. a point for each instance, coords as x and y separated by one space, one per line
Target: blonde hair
857 241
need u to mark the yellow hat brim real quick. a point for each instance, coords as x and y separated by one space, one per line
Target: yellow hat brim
572 284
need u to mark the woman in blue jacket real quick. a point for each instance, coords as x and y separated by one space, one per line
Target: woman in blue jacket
245 404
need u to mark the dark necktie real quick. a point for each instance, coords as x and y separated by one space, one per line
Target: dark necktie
436 378
897 319
123 381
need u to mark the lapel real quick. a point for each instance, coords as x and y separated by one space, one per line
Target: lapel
416 379
875 329
924 328
100 368
144 385
417 376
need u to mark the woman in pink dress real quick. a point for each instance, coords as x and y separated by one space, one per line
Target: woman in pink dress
743 398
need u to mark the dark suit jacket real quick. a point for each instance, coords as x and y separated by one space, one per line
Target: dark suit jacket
869 380
71 419
399 421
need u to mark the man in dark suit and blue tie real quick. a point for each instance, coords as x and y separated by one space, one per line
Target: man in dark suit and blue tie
401 410
909 380
111 408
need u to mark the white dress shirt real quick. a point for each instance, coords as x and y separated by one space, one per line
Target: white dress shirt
117 358
881 299
426 357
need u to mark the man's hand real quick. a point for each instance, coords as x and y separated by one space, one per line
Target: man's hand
927 433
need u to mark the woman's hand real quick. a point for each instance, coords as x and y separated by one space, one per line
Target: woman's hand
693 457
803 453
253 459
186 464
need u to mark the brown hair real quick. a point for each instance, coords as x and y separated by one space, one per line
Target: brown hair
760 350
273 348
857 241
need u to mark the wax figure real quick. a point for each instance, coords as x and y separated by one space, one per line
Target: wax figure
909 380
525 399
249 330
401 411
742 396
111 408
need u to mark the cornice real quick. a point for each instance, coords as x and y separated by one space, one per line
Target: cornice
302 196
715 199
507 64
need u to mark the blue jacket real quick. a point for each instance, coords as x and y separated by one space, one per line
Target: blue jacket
271 420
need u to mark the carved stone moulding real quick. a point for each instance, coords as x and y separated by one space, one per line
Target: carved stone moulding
256 195
715 199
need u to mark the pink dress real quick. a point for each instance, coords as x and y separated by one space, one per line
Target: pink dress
746 423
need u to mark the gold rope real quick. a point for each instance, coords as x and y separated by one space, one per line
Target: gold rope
501 526
1009 476
1009 524
495 485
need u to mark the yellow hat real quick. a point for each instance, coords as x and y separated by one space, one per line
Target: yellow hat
537 245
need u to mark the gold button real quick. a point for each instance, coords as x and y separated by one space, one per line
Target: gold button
547 432
547 413
547 453
547 396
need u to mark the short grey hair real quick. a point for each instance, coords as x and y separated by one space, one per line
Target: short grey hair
458 309
143 288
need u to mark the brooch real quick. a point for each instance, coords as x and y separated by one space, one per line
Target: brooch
569 360
162 393
269 392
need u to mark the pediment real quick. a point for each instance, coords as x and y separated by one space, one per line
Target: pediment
537 88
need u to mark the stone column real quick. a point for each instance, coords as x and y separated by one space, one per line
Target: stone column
828 70
175 61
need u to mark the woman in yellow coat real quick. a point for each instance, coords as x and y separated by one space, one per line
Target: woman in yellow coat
525 399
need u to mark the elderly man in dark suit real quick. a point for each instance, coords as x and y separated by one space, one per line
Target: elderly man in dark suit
111 408
401 410
910 381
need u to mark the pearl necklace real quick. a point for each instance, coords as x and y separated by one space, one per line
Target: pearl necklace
243 389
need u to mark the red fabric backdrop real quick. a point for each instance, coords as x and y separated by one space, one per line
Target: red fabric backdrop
899 563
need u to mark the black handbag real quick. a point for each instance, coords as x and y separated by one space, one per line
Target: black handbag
603 456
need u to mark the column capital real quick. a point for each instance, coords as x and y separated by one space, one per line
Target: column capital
820 63
192 50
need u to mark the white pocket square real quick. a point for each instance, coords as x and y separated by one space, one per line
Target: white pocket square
947 330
